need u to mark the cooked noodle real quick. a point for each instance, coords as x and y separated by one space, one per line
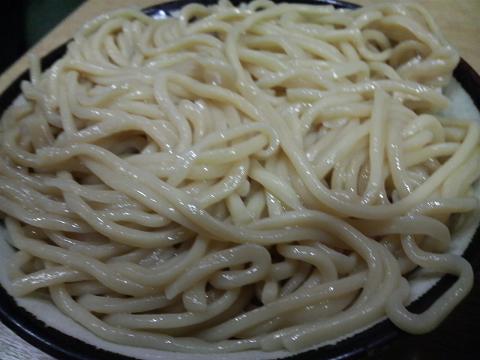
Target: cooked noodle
261 177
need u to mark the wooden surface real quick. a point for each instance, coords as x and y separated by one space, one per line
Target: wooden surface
458 20
460 24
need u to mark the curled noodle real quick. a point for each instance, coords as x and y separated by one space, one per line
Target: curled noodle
260 177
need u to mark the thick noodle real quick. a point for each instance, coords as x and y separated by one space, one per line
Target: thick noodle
260 177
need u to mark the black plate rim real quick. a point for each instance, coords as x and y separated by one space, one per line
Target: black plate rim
52 341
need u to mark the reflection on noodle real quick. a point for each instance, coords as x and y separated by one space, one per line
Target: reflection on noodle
259 177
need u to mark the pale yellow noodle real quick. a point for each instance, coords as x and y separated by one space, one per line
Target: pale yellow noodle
261 177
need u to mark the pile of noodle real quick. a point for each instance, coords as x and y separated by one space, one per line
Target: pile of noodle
261 177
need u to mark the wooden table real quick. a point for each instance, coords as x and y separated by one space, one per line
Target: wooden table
460 23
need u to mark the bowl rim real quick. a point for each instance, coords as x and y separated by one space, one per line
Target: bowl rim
52 341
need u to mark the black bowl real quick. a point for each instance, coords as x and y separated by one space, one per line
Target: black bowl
454 338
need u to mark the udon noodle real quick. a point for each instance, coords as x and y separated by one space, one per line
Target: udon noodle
260 177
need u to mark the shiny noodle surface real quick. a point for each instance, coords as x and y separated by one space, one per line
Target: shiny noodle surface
260 177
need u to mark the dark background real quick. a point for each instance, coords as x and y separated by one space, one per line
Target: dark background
24 22
458 336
